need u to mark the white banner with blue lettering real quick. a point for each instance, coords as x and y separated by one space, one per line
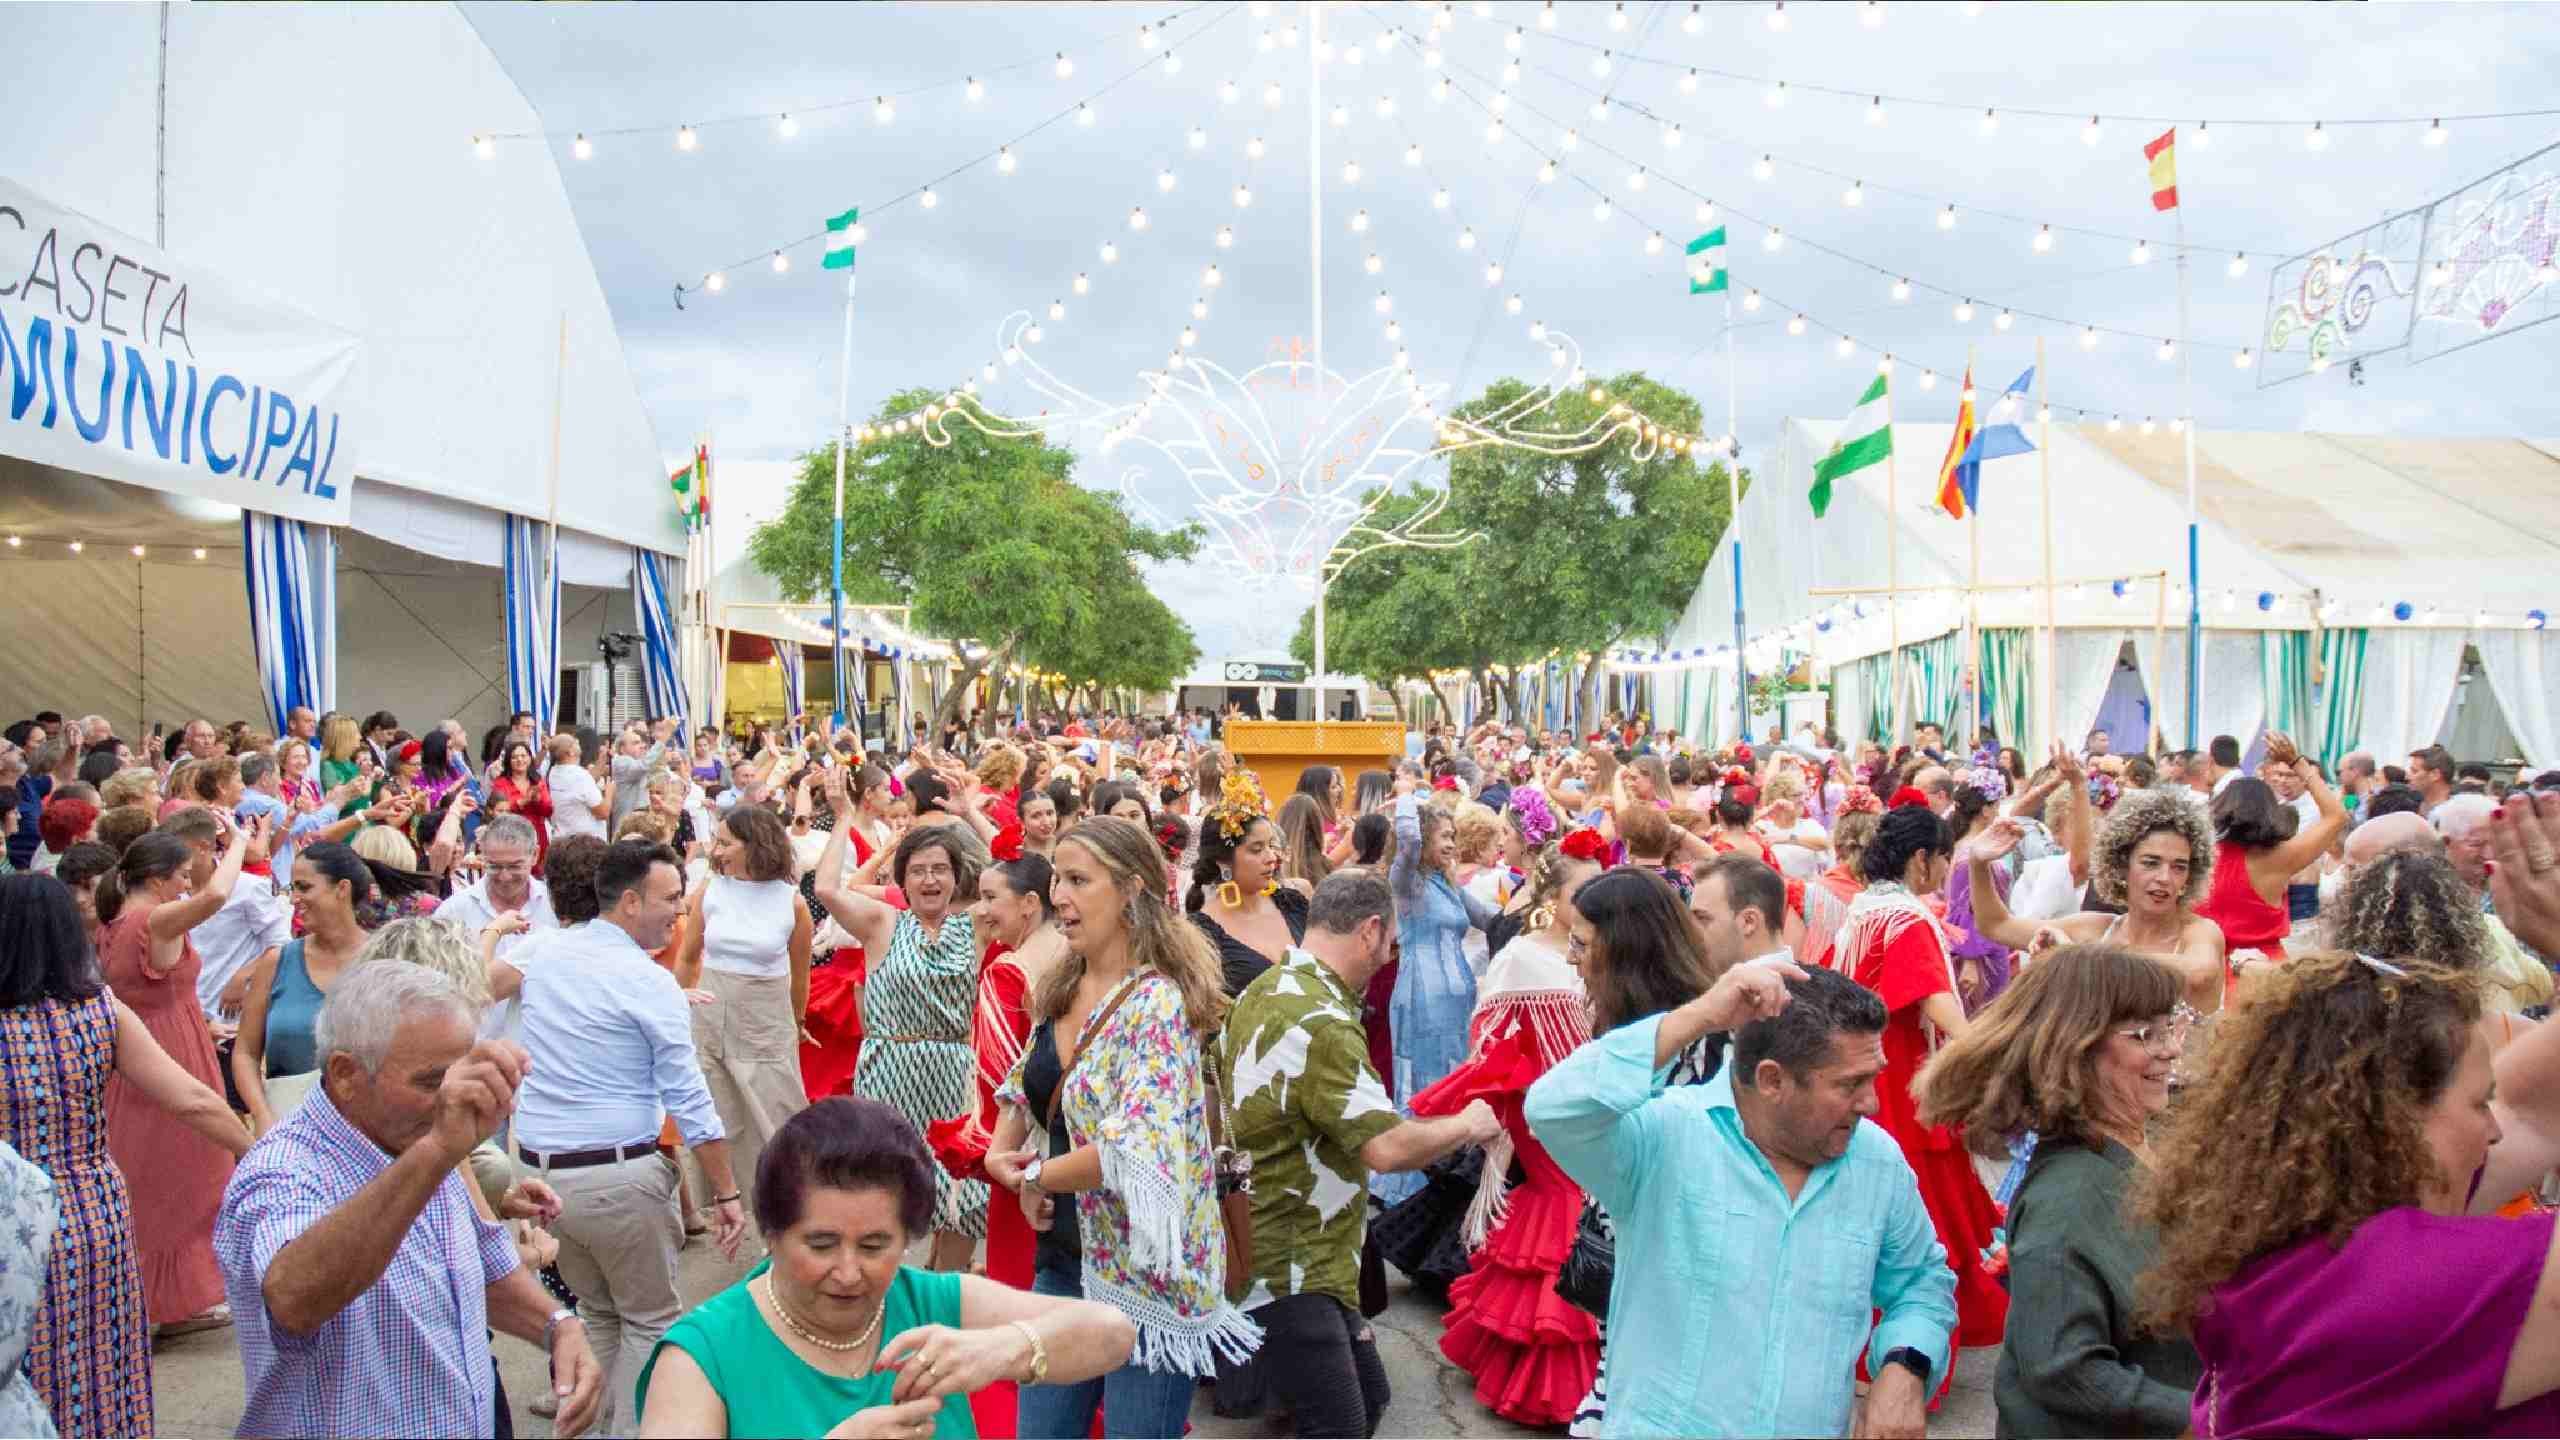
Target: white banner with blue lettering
118 360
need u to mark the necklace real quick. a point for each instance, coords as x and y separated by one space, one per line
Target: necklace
822 1342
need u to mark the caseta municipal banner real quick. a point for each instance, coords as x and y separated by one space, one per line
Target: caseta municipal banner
121 361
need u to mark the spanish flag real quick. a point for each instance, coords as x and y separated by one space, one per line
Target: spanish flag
1950 481
2163 155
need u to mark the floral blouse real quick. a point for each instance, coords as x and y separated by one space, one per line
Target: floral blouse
1154 1248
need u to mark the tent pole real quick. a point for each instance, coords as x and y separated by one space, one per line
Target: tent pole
2186 407
1315 296
2159 639
1733 521
548 583
1969 732
1892 564
2044 483
835 552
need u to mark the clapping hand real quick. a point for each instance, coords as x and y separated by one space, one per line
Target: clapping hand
2524 868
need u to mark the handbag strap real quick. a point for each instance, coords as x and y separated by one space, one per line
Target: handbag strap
1084 1041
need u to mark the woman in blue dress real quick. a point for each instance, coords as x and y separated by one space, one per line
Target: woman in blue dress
1435 988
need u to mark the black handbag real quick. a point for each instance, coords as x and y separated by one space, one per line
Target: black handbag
1589 1267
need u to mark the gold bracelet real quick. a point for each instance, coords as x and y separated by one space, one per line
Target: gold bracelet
1039 1352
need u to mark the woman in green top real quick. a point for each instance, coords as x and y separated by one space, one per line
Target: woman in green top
2066 1071
340 746
833 1335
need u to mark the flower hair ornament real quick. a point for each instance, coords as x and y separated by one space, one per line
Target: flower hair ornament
1537 822
2103 790
1587 845
1007 845
1908 796
1240 803
1861 801
1987 782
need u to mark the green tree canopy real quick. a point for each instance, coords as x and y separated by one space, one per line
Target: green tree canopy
990 539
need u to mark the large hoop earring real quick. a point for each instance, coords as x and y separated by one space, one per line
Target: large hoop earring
1230 895
1542 917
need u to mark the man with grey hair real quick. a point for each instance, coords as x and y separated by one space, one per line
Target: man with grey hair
2463 821
1316 1120
301 724
362 1281
506 897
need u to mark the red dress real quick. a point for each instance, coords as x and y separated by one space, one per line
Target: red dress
532 800
2248 920
835 1010
1000 1029
1533 1354
176 1176
1905 971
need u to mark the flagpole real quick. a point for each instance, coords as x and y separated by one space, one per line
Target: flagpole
2186 407
1733 518
1893 560
835 552
1973 591
2044 484
1315 294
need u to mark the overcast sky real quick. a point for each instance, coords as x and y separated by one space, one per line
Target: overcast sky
755 366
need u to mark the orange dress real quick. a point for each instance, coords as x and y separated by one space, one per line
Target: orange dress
176 1176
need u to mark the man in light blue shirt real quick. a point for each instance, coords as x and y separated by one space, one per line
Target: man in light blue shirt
1760 1217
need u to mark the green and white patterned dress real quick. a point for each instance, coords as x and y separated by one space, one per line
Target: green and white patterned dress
917 1003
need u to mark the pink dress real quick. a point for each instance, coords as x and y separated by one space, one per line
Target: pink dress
175 1175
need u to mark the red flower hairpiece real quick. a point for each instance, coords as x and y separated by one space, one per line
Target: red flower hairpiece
1172 836
1742 753
1735 776
1008 843
1586 845
1861 801
408 751
1907 796
1445 782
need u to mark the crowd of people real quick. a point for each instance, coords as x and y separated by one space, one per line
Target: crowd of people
2214 1097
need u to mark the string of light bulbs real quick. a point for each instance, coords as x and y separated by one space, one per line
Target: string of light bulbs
2314 130
20 542
1774 236
1801 321
1002 158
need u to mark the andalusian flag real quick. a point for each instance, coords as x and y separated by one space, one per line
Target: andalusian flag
1951 490
840 240
1706 263
692 485
1866 438
2163 155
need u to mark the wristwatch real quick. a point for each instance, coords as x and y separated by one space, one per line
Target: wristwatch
1031 1173
1909 1359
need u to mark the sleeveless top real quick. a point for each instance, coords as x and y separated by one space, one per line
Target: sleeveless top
293 1009
747 925
769 1390
2248 921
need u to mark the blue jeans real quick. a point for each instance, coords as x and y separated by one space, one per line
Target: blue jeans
1137 1403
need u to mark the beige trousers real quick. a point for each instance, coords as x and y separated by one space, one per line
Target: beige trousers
619 1236
748 1042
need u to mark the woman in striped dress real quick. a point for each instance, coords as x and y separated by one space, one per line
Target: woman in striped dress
63 1036
919 997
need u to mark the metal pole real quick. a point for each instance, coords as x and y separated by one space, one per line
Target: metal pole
1315 283
2195 591
160 146
1972 726
1733 520
1893 564
2044 481
835 552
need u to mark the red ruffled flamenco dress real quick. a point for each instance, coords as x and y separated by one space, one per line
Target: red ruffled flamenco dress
835 1003
1532 1353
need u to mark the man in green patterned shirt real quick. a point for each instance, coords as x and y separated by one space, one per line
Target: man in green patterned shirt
1316 1120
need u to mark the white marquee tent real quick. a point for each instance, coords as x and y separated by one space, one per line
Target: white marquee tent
336 228
2344 576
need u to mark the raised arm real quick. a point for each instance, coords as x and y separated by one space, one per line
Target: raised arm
2308 845
1405 866
169 924
867 920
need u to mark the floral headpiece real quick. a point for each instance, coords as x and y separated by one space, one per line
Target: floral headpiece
1734 777
1986 756
1530 811
1240 803
1445 782
2103 790
1008 843
1861 801
1987 782
1908 796
1587 845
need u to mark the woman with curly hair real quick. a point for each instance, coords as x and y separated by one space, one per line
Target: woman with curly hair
2320 1250
2152 857
2413 903
2066 1072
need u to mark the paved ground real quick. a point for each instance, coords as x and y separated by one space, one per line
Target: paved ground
196 1379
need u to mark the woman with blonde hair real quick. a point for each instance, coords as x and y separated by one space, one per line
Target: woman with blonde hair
339 743
2412 904
1796 840
999 771
1301 824
1112 1091
2066 1072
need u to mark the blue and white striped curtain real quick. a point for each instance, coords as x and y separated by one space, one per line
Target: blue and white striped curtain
787 653
663 682
1467 704
533 620
292 612
1554 707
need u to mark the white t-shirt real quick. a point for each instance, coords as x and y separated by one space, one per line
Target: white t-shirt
1794 860
574 796
251 922
2043 890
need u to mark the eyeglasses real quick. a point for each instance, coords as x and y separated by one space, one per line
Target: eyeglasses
2164 1037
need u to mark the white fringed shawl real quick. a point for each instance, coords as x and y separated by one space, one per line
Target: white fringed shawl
1878 917
1531 986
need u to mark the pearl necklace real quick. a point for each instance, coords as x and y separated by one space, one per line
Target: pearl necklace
822 1342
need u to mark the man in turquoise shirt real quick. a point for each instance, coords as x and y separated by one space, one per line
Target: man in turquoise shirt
1760 1217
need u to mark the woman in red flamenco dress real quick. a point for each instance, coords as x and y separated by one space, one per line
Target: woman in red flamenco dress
1012 914
1533 1353
1893 944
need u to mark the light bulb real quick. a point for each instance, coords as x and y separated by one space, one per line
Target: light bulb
1600 63
1778 15
1289 36
583 148
1511 42
1947 218
1360 222
2044 238
1571 140
1653 243
1751 300
1855 195
1763 168
1084 113
1846 347
1354 55
1413 154
1146 37
1501 102
1902 288
976 89
1440 198
1199 138
2241 360
1271 93
1884 364
1030 333
1875 111
1693 22
1638 180
2239 265
1689 82
1493 273
715 282
2202 136
1200 307
486 148
1547 15
1189 338
1386 41
882 112
1795 324
1228 91
1253 148
1350 172
1340 115
987 370
1990 121
684 138
1440 88
199 552
1385 302
1386 106
1776 94
1057 309
1373 263
1546 172
1774 239
1618 16
1600 209
1243 196
76 547
2149 425
1511 72
1226 237
1706 211
2141 252
139 552
1964 312
1467 238
2435 133
1671 137
2089 337
1871 14
1928 379
1431 58
1004 160
2090 132
1211 278
2115 422
1110 253
1395 331
2439 274
781 263
1082 284
1267 42
2168 349
2004 319
1165 180
2318 139
1137 218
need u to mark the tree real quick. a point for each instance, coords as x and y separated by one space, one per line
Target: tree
1578 553
987 538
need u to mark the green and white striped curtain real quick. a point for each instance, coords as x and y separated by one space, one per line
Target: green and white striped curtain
1875 691
2008 680
1935 670
2284 677
2341 695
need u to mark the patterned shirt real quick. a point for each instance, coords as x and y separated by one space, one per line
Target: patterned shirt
1296 1061
409 1356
